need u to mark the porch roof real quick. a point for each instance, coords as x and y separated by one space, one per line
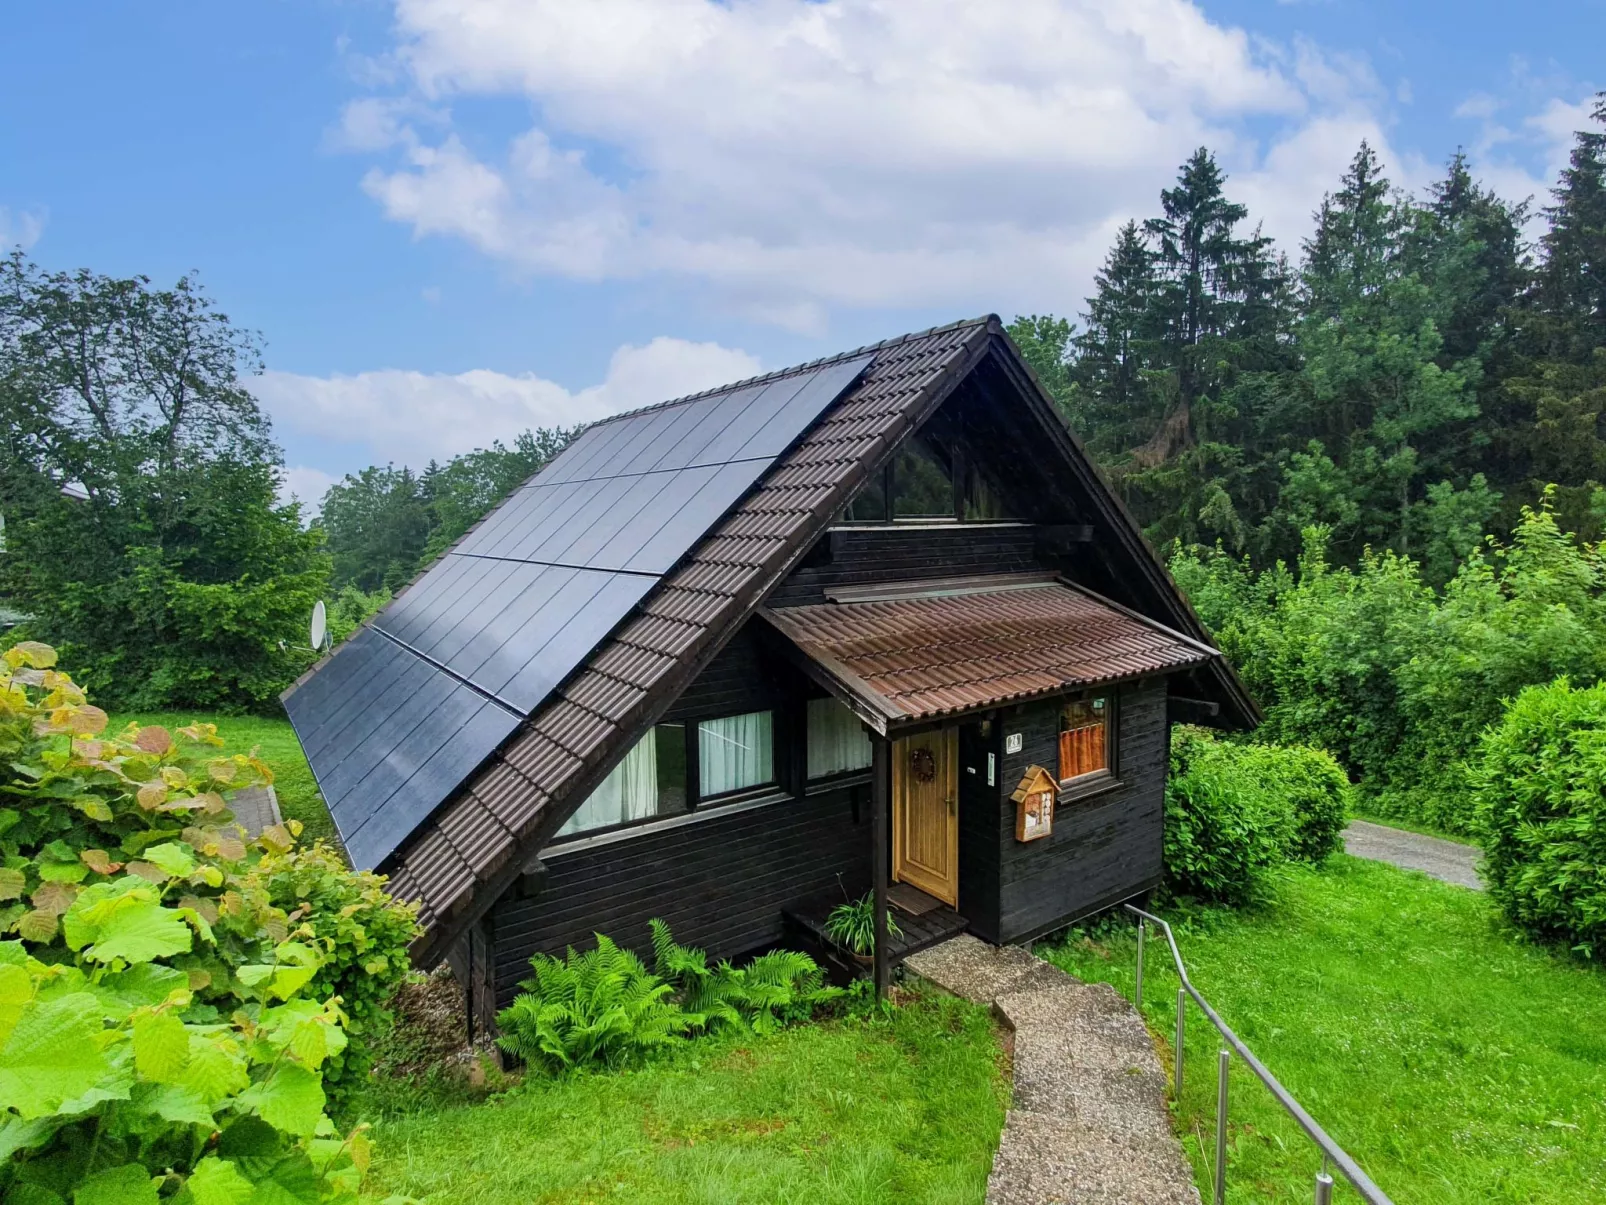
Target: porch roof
911 652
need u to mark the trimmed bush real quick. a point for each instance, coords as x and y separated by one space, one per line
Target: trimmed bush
1540 787
1224 829
1316 790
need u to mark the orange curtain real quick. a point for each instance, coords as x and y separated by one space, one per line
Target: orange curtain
1082 750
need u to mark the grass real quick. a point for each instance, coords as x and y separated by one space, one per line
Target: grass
292 777
842 1112
1454 1061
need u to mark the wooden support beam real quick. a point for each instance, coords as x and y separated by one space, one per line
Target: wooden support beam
1180 710
880 809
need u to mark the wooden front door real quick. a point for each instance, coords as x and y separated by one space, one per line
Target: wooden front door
925 813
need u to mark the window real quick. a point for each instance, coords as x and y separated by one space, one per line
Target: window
1084 738
735 753
922 486
838 743
928 481
649 782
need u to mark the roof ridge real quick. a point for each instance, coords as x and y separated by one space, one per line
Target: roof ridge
793 370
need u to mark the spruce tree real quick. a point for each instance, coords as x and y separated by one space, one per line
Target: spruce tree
1116 346
1572 282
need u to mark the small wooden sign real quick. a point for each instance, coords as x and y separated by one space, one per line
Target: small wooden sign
1034 804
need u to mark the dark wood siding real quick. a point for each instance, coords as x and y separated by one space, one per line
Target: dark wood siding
849 555
473 964
720 882
740 679
1105 847
978 829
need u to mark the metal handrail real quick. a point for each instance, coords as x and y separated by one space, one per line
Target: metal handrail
1332 1153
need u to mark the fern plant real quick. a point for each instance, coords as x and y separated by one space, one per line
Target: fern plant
601 1007
773 990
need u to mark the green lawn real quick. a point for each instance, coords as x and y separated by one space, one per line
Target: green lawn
1454 1061
276 740
841 1112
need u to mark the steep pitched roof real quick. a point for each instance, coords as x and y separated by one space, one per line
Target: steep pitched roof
465 856
460 858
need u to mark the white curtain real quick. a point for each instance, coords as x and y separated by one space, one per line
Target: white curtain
735 752
629 793
837 741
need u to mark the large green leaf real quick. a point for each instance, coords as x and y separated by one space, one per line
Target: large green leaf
173 1102
145 985
291 1099
53 1054
216 1068
161 1047
129 1184
177 860
124 920
217 1182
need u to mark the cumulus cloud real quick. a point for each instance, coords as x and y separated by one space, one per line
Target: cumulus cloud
795 155
307 485
408 417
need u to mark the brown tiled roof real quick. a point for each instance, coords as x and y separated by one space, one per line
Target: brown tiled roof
458 862
918 658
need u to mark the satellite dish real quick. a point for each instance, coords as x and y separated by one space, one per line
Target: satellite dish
320 626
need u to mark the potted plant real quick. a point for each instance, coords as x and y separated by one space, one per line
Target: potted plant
852 926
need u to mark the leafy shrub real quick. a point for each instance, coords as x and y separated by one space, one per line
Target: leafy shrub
852 925
1224 828
1396 680
1315 789
602 1007
1541 813
156 1038
774 989
361 935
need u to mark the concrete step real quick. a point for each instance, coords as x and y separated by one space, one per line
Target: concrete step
1048 1160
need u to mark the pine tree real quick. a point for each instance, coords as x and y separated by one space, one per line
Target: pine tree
1116 347
1572 282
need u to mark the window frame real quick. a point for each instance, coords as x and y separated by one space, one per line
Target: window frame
1109 773
962 467
779 768
809 781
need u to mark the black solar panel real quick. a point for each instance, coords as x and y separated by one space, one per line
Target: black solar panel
407 709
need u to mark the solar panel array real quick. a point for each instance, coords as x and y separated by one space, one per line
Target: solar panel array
407 709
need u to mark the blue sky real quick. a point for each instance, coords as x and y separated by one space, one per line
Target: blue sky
451 219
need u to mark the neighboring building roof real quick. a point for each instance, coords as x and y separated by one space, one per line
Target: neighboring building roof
457 860
411 706
934 649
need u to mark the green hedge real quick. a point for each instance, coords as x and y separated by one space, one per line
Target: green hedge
1235 811
1540 787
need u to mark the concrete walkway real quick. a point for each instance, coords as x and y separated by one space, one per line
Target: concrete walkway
1449 861
1089 1123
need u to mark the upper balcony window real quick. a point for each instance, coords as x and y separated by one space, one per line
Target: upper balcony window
925 483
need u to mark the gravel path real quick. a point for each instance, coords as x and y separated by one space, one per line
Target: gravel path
1088 1124
1449 861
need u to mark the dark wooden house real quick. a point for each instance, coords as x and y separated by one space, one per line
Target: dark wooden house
874 621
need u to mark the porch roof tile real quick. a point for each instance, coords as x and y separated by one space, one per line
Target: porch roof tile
940 653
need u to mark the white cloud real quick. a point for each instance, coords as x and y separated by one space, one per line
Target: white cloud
1520 156
306 485
412 418
795 155
20 228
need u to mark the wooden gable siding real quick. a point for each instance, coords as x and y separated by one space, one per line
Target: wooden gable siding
719 881
1104 848
740 679
849 556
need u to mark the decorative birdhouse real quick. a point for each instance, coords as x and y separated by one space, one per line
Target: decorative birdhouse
1034 804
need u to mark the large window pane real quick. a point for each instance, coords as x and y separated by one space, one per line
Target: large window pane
922 486
735 753
838 743
650 781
